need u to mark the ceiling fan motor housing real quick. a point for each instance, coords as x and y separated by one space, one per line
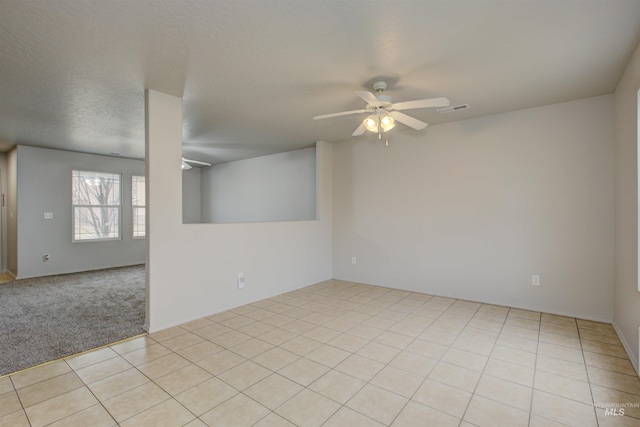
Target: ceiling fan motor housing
385 100
380 86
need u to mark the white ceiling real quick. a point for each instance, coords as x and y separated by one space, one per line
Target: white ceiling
253 73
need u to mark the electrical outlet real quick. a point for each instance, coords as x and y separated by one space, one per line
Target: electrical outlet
240 280
535 280
353 260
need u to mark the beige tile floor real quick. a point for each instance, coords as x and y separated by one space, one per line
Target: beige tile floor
342 354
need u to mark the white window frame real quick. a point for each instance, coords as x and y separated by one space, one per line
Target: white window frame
135 207
113 206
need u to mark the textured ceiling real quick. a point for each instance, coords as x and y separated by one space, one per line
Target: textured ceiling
253 73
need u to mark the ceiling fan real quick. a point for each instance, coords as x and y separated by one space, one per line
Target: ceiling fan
383 113
186 163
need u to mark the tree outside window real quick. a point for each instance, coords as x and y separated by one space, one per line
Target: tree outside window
96 205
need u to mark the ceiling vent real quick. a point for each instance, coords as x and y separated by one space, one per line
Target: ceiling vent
452 109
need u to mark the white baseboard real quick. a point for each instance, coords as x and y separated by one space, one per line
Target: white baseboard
540 309
627 347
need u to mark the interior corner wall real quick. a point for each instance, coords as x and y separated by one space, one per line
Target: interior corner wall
192 269
192 196
277 187
626 295
472 209
44 185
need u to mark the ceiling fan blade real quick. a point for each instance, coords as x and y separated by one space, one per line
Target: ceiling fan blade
368 97
344 113
421 103
360 130
408 120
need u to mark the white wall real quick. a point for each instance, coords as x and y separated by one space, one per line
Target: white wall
278 187
472 209
192 268
191 196
44 185
627 298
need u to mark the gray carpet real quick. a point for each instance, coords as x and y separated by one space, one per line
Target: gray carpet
46 318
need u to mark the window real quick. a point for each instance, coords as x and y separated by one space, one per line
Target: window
138 201
96 206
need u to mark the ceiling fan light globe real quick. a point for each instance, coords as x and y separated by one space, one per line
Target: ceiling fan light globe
371 124
387 123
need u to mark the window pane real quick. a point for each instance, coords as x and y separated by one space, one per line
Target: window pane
139 225
94 188
138 191
96 205
138 202
96 223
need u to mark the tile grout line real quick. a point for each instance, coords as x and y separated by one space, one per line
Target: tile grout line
92 393
593 403
535 371
389 364
373 385
483 369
